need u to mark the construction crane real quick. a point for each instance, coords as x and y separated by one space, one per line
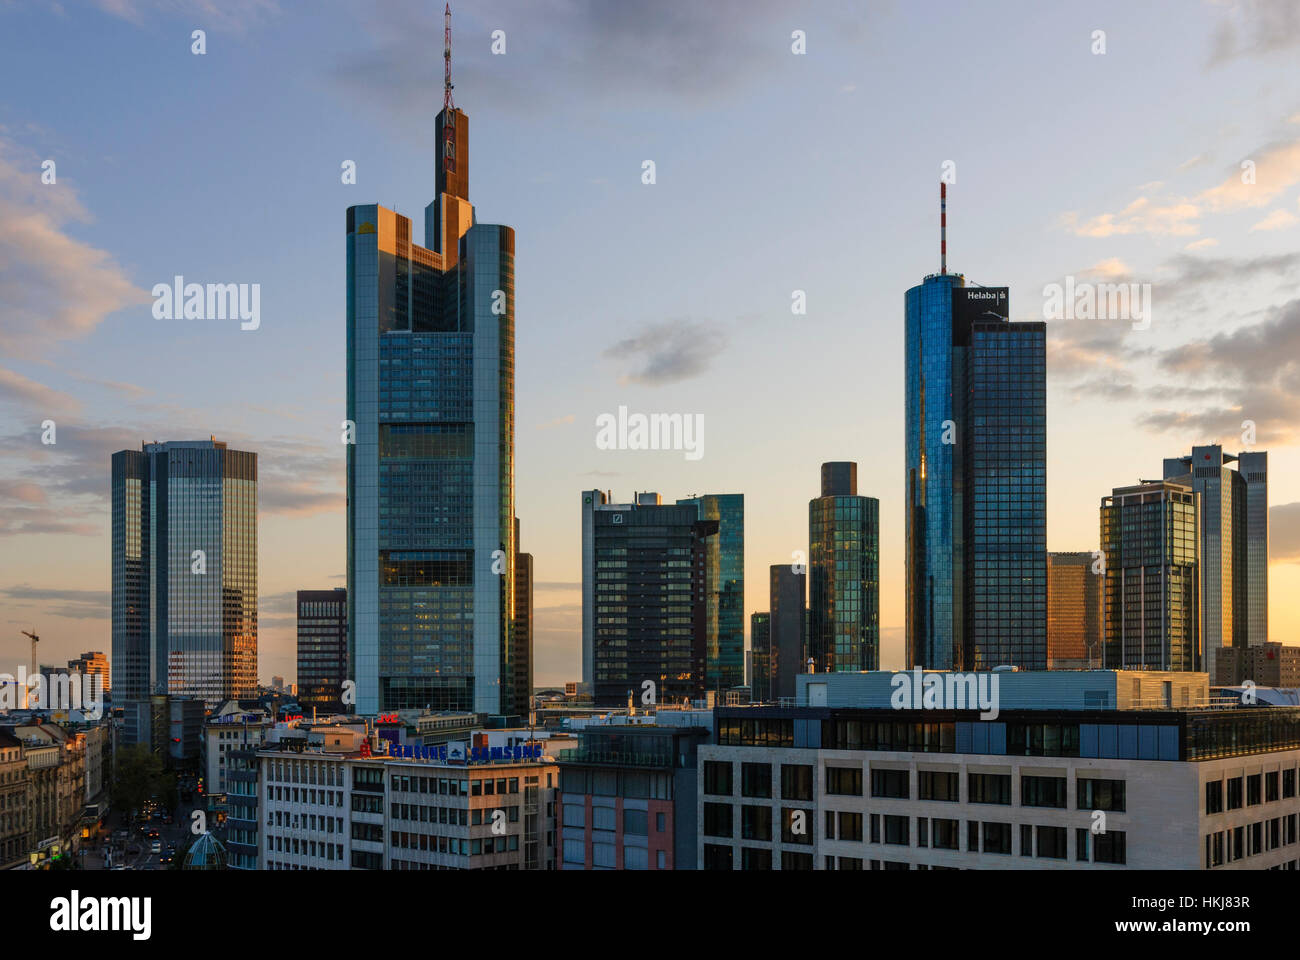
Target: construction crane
35 639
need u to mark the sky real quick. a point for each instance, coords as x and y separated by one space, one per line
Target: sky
1155 144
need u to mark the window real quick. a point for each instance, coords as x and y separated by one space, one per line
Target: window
851 826
1110 847
1214 797
944 834
890 783
636 858
1051 842
1288 784
659 823
1081 844
755 858
1253 793
635 822
717 778
606 818
936 785
717 820
1042 792
997 838
1270 786
756 780
1234 793
844 781
796 782
602 855
574 815
897 830
755 823
990 788
1026 840
575 851
1214 849
796 861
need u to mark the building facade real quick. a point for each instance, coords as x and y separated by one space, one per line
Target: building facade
184 571
645 589
760 656
975 479
874 788
523 628
843 579
15 838
1233 552
430 476
724 664
788 606
322 649
1074 611
1265 665
1150 542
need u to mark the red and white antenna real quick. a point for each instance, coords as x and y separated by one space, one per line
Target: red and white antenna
943 223
448 106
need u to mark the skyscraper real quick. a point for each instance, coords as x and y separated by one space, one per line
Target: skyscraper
844 580
1149 539
1233 552
724 665
760 656
431 550
975 481
184 571
1074 611
788 607
645 598
523 627
322 649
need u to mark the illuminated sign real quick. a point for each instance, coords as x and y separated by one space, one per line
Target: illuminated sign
415 751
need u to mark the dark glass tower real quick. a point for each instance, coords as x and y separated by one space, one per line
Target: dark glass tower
844 578
431 534
645 590
760 657
975 482
788 606
1150 540
184 569
322 649
724 666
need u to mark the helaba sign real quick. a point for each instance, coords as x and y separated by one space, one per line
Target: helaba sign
970 304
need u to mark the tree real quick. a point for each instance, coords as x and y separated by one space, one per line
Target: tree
140 776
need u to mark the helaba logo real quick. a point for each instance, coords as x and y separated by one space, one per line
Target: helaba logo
984 295
73 914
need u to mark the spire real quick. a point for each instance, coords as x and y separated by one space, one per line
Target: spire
943 216
448 105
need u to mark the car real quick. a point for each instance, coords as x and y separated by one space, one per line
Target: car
120 866
155 847
166 858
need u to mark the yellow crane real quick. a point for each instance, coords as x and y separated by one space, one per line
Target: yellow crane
35 639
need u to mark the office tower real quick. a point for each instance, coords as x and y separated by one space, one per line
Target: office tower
1074 611
760 657
93 664
1149 539
184 571
523 628
1265 665
431 552
645 586
1234 544
788 606
322 649
724 665
975 483
844 579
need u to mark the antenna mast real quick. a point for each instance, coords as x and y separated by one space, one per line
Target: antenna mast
943 214
448 105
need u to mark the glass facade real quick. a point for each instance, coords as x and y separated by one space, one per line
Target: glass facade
1149 538
725 647
431 533
184 571
844 579
1074 611
788 606
322 649
975 480
760 656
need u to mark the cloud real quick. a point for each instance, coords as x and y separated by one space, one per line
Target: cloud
1284 533
1203 244
233 16
74 604
1276 168
627 56
1255 28
557 422
669 351
35 398
1277 220
53 287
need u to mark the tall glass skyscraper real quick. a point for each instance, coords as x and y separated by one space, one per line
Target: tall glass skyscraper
1234 545
975 483
843 578
725 650
788 608
184 570
431 533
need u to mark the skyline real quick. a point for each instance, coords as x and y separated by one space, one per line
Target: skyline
112 376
